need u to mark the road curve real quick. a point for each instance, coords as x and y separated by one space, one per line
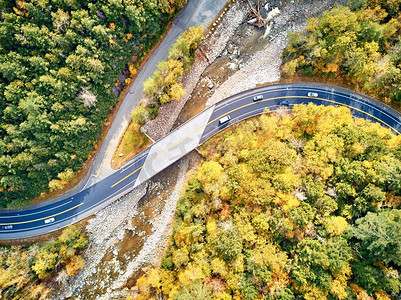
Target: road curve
33 221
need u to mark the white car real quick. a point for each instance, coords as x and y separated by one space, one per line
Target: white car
224 120
311 94
258 97
8 227
49 220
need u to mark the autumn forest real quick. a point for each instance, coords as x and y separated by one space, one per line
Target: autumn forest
300 203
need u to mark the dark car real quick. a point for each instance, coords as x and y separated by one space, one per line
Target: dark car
284 103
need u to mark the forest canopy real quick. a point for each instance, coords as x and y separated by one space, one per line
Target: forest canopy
37 270
59 61
305 204
359 43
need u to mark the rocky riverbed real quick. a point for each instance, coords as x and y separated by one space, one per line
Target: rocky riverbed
133 231
252 56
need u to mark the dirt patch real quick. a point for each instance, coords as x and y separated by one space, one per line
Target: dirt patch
133 142
133 279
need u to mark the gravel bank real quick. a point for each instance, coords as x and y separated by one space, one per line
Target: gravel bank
105 232
222 30
158 239
264 67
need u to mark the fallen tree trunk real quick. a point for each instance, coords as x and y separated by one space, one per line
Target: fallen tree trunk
254 15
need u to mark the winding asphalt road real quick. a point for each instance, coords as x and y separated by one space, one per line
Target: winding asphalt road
31 222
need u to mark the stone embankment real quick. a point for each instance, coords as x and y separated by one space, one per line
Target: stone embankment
221 31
